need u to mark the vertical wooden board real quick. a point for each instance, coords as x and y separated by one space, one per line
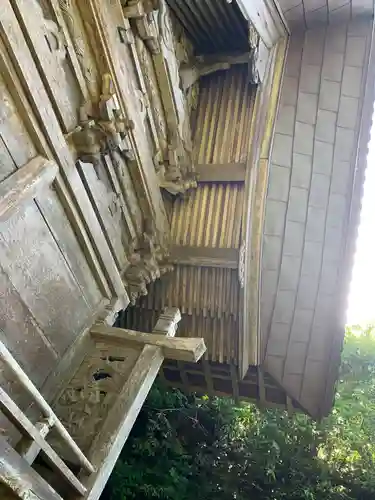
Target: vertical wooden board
7 165
33 261
128 189
14 136
129 227
54 215
49 51
22 335
105 205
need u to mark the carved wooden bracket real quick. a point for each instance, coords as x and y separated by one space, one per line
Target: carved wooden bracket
147 263
102 128
205 65
141 12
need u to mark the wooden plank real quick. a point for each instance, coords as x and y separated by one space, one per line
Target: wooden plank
226 172
181 349
83 237
20 478
22 334
17 140
50 60
25 184
205 256
23 424
68 241
47 207
33 261
115 184
101 199
21 376
107 446
30 449
13 38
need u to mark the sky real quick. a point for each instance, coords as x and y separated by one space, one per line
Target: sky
361 304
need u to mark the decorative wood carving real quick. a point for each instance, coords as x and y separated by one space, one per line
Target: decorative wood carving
103 127
141 12
153 23
85 403
205 65
147 263
80 49
156 106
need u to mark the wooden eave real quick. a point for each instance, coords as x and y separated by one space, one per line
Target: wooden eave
255 190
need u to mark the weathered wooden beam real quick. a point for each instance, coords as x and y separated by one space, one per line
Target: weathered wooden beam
180 349
30 449
7 358
23 424
25 184
226 172
205 256
21 478
107 446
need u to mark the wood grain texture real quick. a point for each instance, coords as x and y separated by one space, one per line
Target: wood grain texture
49 52
20 478
225 172
25 184
183 349
83 265
13 39
108 445
104 202
17 141
22 335
23 424
33 261
205 256
73 220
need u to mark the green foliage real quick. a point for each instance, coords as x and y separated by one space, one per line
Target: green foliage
188 448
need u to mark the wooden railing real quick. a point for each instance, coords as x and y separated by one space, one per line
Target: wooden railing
147 350
15 465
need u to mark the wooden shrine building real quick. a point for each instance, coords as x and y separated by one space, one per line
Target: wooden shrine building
189 171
